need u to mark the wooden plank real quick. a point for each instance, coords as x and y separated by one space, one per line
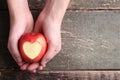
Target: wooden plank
60 75
82 4
94 4
74 4
3 4
90 40
6 60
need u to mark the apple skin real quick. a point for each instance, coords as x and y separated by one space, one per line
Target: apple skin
31 38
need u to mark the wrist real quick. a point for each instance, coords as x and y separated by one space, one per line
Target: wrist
18 8
56 9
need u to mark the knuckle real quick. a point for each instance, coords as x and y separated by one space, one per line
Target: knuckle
11 43
57 50
9 46
57 47
48 59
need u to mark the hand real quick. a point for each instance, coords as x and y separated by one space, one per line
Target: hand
51 30
18 27
21 22
49 23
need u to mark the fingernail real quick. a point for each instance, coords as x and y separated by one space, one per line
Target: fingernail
41 68
34 71
20 64
44 64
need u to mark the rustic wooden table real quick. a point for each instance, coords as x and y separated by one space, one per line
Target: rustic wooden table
90 43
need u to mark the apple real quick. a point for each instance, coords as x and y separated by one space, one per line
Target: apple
32 47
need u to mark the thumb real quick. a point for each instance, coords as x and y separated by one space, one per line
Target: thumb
37 27
50 54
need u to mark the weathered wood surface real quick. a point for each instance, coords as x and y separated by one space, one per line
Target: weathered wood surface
90 40
82 4
74 4
61 75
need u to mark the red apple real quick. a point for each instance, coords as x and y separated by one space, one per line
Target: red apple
32 47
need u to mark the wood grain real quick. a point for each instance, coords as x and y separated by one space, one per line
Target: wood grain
60 75
74 4
90 40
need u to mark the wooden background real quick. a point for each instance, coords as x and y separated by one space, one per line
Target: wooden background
90 43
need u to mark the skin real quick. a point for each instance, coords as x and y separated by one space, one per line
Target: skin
48 22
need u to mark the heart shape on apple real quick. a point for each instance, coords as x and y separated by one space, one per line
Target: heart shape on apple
32 47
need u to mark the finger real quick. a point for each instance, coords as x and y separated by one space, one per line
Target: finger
15 54
40 68
12 46
32 67
24 66
17 58
34 71
51 52
37 27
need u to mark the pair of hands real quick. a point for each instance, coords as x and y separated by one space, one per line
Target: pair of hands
45 24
